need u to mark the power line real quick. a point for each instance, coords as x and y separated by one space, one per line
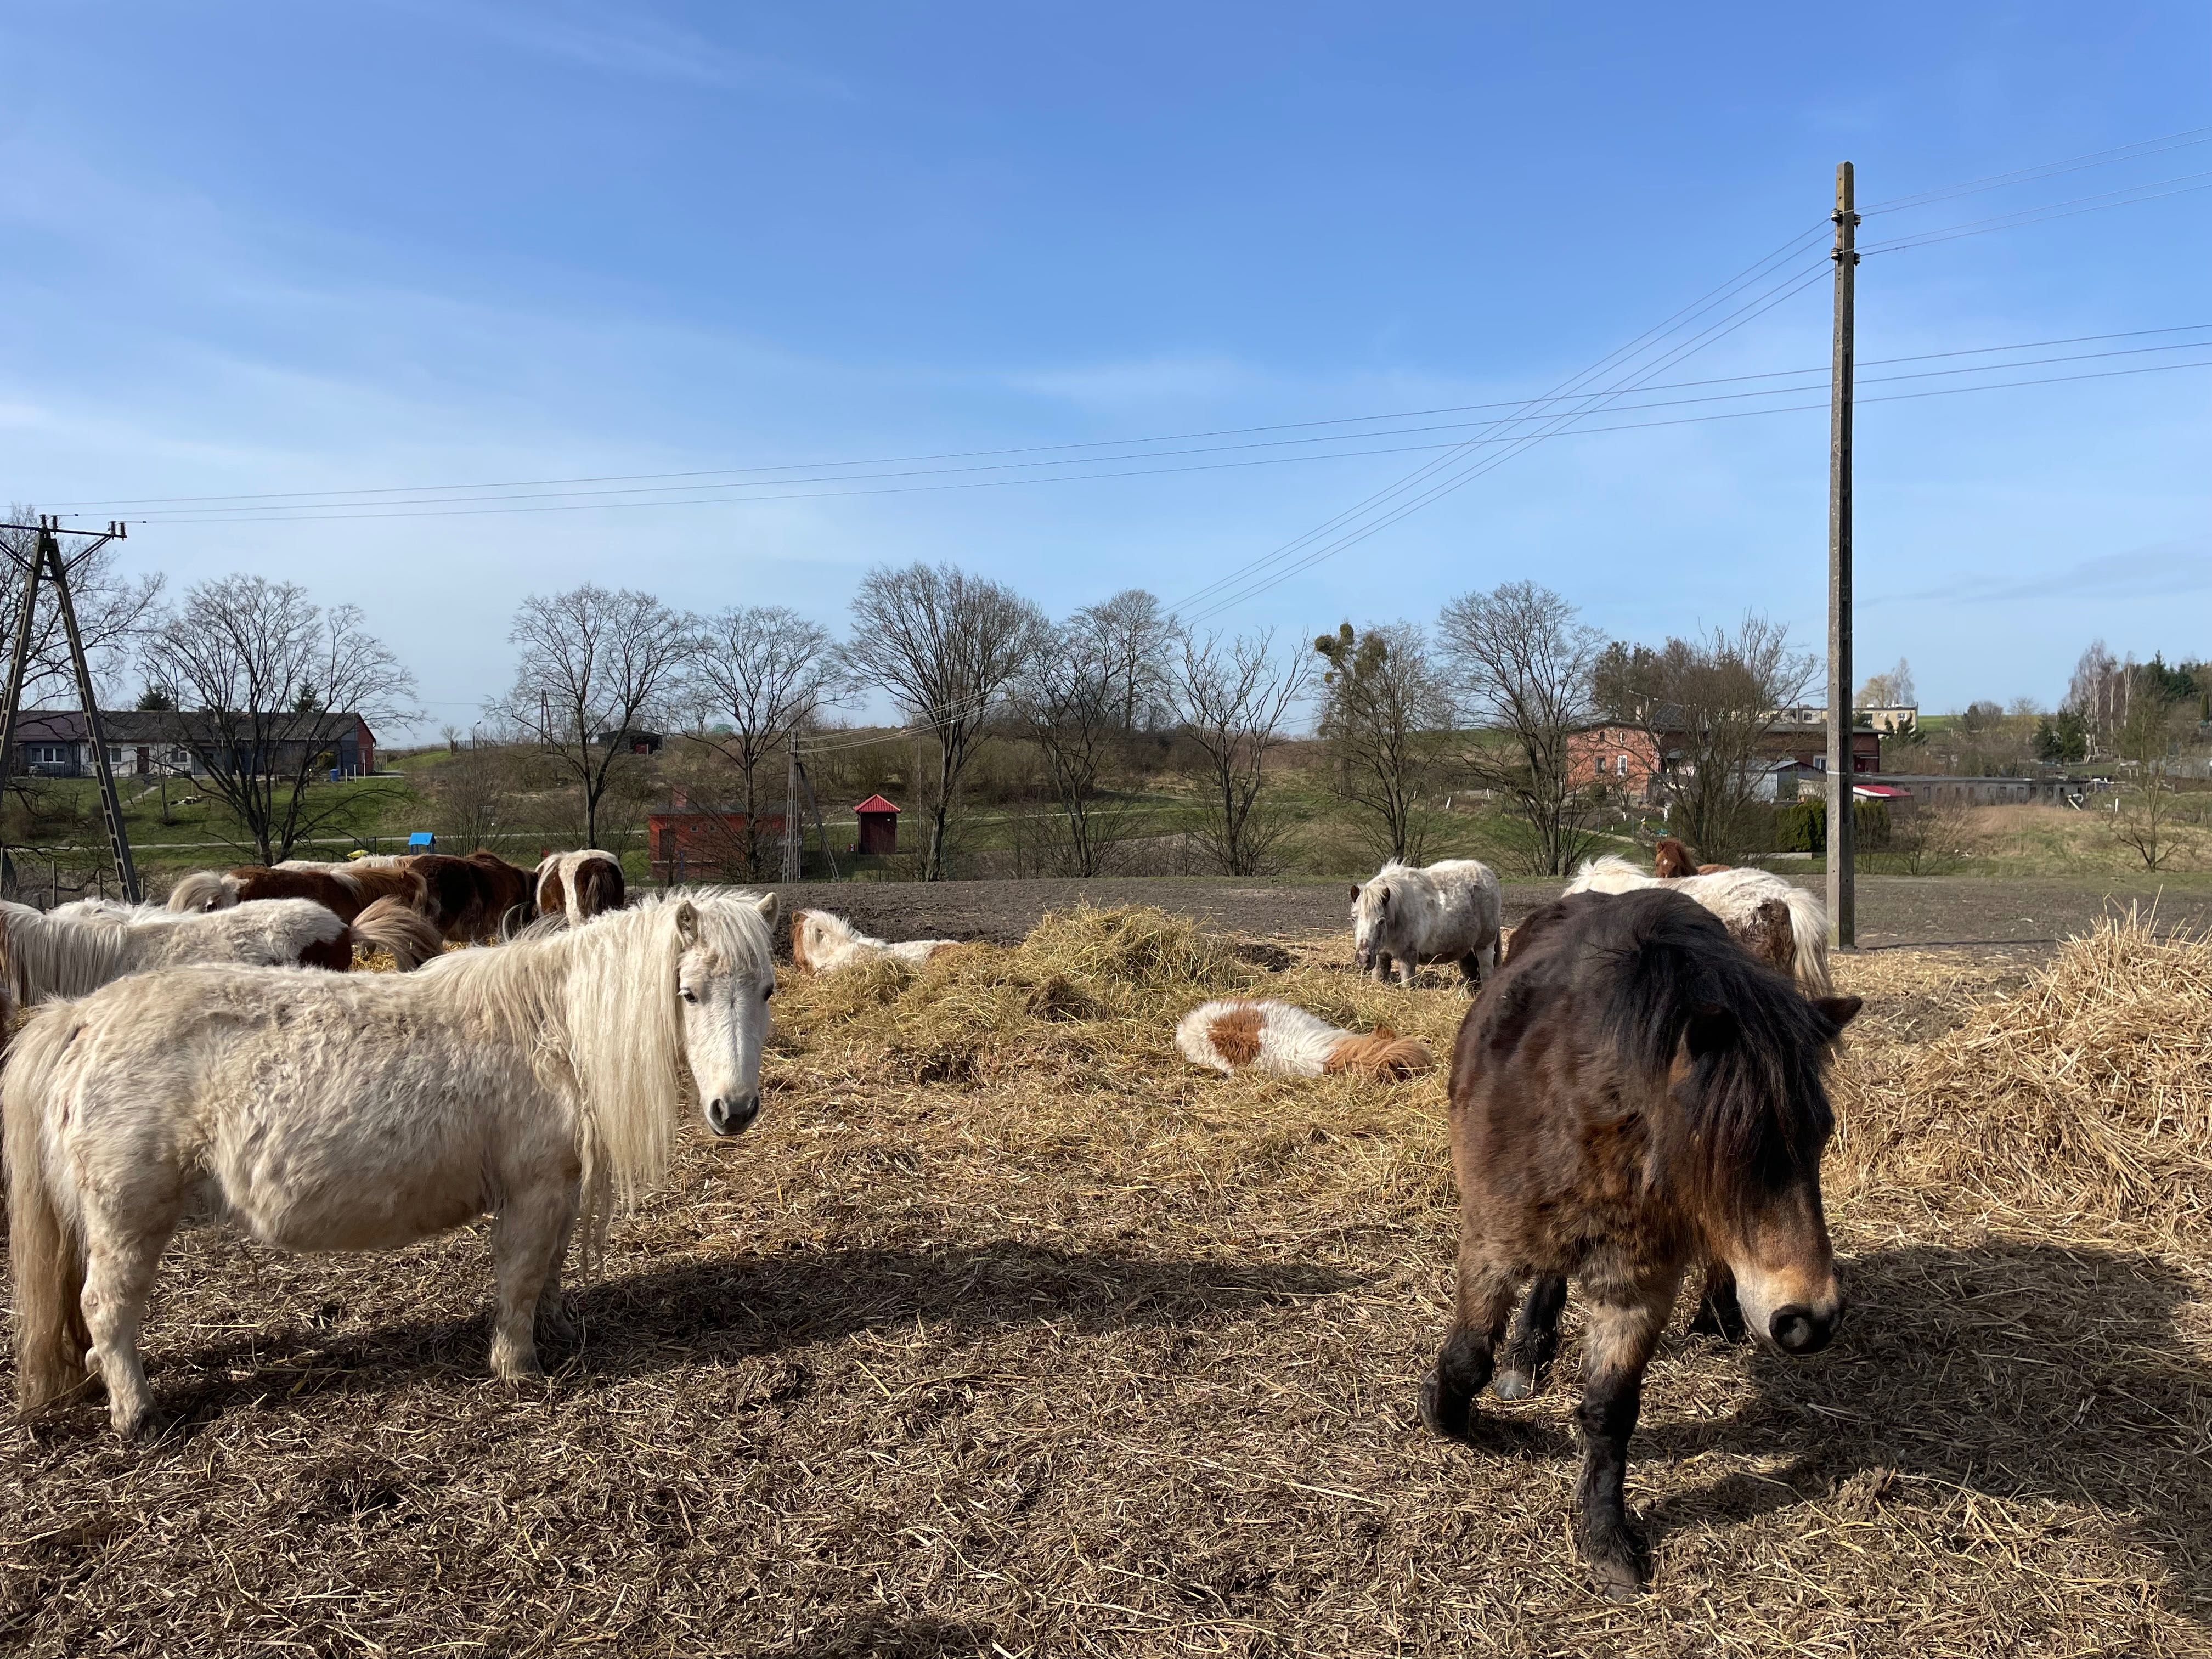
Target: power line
2036 216
2140 149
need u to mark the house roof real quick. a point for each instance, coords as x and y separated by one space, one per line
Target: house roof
876 804
164 726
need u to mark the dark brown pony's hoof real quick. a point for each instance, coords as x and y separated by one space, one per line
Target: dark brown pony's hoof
1447 1409
1620 1566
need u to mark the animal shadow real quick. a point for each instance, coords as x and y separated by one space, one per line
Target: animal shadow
729 1307
2006 1369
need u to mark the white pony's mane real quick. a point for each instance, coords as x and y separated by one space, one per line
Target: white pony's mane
596 1005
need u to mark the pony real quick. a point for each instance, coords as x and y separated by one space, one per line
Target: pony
1449 912
822 944
471 897
78 948
1633 1093
1285 1040
349 891
1735 895
580 885
536 1081
365 861
1671 860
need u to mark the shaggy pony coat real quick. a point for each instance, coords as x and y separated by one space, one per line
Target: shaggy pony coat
580 885
1449 912
364 1112
77 949
822 944
1735 896
349 891
1285 1040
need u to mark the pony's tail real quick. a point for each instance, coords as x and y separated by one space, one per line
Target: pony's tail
202 890
1809 930
391 924
1386 1055
44 1246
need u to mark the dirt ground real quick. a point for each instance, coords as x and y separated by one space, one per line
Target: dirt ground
1892 909
1045 1343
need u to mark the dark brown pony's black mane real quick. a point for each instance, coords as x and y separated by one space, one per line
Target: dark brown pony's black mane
1666 978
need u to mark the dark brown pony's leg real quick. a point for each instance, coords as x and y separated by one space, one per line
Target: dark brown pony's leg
1471 966
1463 1364
1533 1339
1622 1336
1718 1313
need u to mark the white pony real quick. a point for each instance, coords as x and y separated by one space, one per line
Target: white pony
822 944
1449 912
1283 1040
580 885
366 1111
78 948
1735 896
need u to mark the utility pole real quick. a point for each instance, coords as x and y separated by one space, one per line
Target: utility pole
792 831
1842 842
46 564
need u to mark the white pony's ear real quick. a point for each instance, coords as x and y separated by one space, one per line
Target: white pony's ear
765 904
687 922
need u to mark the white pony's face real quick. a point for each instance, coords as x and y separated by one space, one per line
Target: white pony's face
725 1022
1370 908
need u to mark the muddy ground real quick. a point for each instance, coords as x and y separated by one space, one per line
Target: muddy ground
1893 910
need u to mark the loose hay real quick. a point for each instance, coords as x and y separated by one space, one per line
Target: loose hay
2088 1089
1008 1333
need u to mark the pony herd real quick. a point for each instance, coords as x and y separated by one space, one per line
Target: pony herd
1638 1090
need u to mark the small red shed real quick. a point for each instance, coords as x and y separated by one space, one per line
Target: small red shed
879 825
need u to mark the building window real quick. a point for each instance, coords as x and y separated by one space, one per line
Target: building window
48 754
1620 766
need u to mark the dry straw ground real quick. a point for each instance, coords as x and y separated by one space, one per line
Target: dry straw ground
1009 1334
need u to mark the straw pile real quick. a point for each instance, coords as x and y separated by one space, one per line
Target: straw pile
2088 1091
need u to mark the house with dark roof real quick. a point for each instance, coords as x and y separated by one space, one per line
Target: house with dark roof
56 743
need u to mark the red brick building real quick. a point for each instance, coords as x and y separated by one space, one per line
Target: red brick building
1629 758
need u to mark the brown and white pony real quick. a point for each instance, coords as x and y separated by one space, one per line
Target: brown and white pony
348 892
580 885
1737 896
1631 1096
1283 1040
1671 860
822 944
68 952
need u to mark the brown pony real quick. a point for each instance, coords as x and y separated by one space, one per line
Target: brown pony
1629 1095
1671 861
469 898
346 892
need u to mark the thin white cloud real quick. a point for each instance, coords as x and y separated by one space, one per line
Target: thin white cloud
620 42
2157 571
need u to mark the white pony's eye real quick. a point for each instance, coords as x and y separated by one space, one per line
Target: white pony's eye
691 995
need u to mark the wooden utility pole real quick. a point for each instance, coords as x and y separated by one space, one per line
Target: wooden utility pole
46 564
1842 842
792 831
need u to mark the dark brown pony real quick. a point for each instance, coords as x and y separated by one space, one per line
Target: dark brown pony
468 898
347 892
1633 1094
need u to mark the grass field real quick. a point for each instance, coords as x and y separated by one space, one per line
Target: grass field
1009 1334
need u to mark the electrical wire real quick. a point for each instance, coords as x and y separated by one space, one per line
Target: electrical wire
2037 216
2140 149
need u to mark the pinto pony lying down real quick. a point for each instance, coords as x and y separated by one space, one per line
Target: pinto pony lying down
1284 1041
822 944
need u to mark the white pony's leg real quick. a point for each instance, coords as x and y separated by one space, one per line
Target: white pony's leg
120 1258
553 1318
525 1235
1380 970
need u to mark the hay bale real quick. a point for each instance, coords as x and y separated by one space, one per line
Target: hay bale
2089 1090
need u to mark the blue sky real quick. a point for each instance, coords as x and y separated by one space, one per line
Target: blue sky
263 248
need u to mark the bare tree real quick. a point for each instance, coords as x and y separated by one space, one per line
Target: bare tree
762 674
1131 637
262 684
1892 689
2099 694
1386 717
113 614
594 664
474 788
946 645
2145 819
1232 701
1706 706
1527 665
1071 703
